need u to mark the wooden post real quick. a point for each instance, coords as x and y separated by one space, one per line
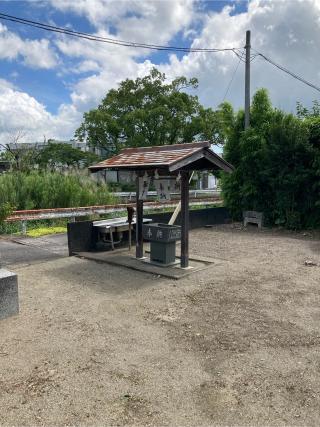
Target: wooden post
184 219
178 207
24 227
130 212
139 222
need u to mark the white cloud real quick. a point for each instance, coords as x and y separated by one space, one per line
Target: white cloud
287 31
34 53
96 11
88 92
134 20
88 65
156 21
20 112
5 84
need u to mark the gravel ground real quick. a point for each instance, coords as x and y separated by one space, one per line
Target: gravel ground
237 344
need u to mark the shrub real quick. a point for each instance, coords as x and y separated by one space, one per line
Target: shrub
5 211
39 190
277 167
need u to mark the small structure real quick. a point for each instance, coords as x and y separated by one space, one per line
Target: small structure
162 239
253 217
107 227
165 162
9 297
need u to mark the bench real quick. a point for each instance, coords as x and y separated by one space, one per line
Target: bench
253 217
107 227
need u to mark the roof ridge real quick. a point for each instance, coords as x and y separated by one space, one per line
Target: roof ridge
195 144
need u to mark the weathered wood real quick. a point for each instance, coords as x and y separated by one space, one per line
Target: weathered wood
218 161
178 207
185 162
39 214
184 219
139 220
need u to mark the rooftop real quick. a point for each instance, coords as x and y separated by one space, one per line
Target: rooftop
193 156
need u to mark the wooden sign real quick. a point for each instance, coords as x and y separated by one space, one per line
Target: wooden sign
144 183
163 187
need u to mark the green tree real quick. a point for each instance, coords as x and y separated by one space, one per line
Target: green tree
311 121
303 112
55 155
214 125
150 111
275 166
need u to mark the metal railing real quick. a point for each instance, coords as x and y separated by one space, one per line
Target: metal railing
73 213
131 195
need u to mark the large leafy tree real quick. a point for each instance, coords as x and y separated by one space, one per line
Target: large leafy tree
311 121
150 111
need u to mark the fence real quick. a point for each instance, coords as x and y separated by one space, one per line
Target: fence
72 213
131 195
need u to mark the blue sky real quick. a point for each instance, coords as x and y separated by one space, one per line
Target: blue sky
47 86
48 81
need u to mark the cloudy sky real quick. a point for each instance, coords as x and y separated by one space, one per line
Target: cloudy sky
48 80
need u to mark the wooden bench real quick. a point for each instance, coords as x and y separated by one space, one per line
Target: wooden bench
253 217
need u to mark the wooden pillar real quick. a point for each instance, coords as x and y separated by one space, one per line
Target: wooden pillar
184 219
139 222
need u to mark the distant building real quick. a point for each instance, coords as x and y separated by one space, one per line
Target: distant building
207 181
81 145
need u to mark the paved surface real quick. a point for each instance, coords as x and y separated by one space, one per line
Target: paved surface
124 258
25 251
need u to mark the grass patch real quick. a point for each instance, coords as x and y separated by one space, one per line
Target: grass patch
44 231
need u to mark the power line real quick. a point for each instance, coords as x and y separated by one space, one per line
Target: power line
66 31
301 79
233 76
239 55
108 40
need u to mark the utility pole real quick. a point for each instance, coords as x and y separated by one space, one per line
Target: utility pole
247 81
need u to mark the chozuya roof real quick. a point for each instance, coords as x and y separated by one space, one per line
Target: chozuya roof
192 156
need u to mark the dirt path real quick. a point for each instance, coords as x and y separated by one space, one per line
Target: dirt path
237 344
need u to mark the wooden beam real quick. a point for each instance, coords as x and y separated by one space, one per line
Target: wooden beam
187 160
139 222
218 161
184 219
178 207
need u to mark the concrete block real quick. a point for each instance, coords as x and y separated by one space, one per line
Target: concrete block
9 296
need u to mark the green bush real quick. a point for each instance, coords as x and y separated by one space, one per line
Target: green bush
277 166
39 190
5 211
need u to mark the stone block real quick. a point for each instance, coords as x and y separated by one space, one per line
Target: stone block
9 296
